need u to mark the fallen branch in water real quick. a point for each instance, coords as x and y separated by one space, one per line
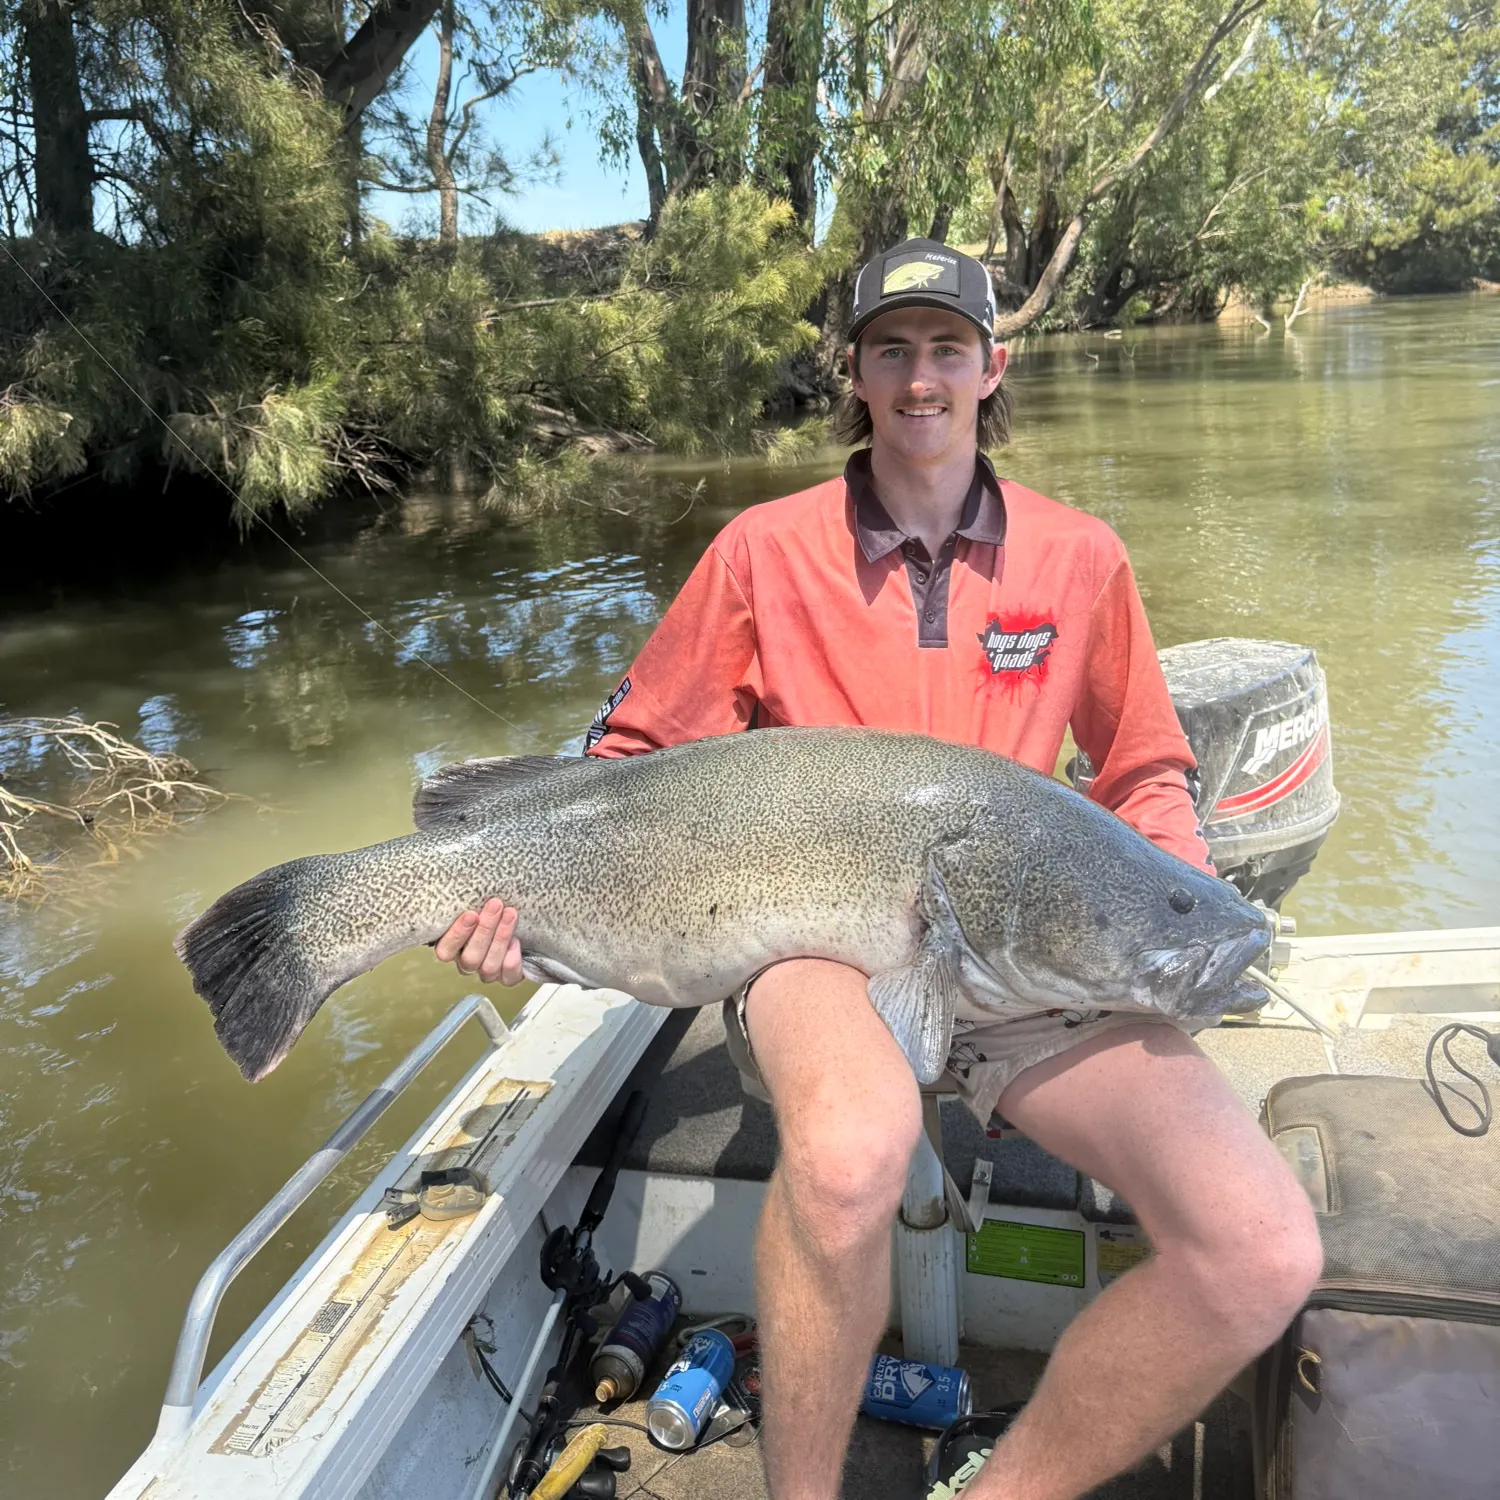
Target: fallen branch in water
128 792
1298 309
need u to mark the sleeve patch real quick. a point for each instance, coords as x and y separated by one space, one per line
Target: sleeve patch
600 727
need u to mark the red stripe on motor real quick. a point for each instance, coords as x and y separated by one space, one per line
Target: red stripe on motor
1281 785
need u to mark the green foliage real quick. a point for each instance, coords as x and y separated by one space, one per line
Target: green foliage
36 439
234 314
1357 136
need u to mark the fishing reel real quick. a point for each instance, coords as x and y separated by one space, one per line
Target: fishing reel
576 1469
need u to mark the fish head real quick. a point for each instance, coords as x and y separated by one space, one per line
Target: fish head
1129 926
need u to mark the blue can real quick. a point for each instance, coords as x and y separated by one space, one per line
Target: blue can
621 1363
690 1390
918 1395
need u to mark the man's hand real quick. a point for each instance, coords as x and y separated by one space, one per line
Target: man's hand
484 942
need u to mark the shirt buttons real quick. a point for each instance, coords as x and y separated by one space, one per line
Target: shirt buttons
921 578
930 617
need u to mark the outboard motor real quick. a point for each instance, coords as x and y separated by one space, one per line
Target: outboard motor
1256 716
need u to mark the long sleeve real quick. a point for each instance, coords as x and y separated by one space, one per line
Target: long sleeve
696 676
1127 726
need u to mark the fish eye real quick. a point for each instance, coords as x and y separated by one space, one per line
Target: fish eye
1182 901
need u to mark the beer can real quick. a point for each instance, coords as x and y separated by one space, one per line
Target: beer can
690 1390
918 1395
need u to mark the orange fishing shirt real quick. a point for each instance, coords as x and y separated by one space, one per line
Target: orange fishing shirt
817 609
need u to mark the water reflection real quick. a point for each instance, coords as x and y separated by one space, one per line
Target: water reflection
1341 488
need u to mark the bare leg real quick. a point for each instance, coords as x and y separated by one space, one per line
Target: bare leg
1235 1245
848 1115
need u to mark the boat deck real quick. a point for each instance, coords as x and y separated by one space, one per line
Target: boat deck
1208 1461
700 1124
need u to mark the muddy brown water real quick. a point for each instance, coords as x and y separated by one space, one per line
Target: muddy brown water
1339 487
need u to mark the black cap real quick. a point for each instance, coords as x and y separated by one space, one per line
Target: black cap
923 273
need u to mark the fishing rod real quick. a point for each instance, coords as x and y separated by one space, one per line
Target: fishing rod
570 1269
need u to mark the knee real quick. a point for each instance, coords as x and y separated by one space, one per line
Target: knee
1255 1274
844 1168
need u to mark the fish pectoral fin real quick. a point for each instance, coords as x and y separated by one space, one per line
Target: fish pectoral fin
445 798
918 1003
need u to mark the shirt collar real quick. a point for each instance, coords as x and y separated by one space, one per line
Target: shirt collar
981 520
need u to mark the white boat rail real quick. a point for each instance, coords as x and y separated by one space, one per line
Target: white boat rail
192 1343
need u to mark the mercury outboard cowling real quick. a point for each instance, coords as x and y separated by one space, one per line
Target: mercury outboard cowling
1256 716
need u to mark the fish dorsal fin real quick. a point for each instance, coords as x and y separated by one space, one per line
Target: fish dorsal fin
447 796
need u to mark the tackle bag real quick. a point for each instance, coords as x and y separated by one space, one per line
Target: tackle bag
1387 1384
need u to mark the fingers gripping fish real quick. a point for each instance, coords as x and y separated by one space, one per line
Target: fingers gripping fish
959 881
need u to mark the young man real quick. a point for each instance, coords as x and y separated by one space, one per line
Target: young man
918 592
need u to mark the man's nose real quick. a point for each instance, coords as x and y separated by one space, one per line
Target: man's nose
923 373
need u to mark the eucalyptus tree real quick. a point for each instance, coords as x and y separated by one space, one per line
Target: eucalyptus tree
689 133
484 49
1346 134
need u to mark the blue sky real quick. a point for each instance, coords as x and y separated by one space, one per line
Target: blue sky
588 191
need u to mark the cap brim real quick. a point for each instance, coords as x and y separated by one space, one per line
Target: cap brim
939 301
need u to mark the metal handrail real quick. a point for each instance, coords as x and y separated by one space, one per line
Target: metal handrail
192 1343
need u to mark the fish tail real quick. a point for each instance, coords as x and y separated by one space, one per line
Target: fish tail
266 955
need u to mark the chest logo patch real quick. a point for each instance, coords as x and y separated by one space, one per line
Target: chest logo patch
1017 647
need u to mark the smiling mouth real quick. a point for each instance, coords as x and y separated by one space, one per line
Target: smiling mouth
921 411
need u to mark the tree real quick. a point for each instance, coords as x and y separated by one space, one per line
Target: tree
687 135
483 50
64 181
917 91
788 132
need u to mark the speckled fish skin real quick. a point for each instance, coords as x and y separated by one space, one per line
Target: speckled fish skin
958 880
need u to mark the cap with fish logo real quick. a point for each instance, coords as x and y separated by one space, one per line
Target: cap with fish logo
924 273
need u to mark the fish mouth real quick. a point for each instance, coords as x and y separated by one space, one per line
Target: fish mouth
1203 980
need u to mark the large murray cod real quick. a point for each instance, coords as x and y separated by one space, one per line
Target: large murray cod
961 882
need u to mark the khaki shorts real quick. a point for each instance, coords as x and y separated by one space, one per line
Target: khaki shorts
984 1058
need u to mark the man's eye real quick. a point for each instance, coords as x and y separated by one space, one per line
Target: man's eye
890 354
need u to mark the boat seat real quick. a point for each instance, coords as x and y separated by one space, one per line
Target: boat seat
700 1123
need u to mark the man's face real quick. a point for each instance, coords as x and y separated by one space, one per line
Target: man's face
923 373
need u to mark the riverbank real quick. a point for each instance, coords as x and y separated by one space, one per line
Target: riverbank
1259 483
510 365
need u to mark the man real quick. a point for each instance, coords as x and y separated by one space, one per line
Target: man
919 592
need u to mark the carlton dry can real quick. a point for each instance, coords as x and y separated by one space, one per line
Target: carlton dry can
620 1365
690 1390
905 1390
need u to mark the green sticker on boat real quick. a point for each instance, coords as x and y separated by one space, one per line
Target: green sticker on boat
1027 1252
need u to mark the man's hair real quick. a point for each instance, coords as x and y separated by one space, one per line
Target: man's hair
851 417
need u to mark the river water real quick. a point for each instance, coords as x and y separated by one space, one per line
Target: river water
1338 487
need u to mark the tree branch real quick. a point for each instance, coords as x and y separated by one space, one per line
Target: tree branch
1238 63
357 74
470 105
1297 308
1061 259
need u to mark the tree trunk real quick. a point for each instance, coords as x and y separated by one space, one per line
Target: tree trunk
942 220
357 73
1000 181
1015 237
789 133
654 110
880 208
64 168
437 132
712 77
884 223
1061 259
